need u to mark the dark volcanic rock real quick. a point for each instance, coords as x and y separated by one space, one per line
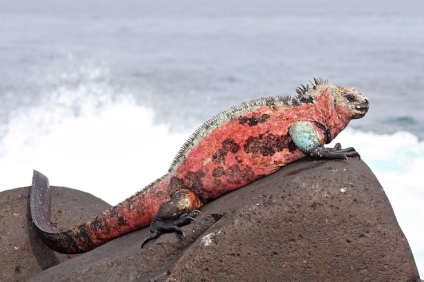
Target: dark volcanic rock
22 254
310 221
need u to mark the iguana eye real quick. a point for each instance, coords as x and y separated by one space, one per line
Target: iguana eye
351 98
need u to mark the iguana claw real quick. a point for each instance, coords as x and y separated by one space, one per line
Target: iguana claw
160 226
334 153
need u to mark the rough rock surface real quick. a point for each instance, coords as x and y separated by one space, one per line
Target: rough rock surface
22 254
310 221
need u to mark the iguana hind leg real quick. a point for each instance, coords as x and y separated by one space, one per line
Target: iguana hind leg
180 210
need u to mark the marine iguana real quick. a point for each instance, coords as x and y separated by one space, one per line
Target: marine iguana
229 151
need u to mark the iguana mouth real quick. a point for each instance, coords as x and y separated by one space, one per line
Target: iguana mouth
361 110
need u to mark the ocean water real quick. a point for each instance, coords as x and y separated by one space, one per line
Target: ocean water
100 95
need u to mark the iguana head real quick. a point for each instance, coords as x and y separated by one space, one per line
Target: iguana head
349 101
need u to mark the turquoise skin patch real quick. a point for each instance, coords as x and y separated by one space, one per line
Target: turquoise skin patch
304 136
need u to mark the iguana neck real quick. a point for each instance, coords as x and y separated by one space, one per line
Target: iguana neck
334 119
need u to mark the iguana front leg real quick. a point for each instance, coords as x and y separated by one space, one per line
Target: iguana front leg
180 210
306 138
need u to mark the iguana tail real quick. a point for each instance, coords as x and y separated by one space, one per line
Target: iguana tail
133 213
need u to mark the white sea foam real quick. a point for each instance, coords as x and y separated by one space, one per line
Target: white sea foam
111 151
114 150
